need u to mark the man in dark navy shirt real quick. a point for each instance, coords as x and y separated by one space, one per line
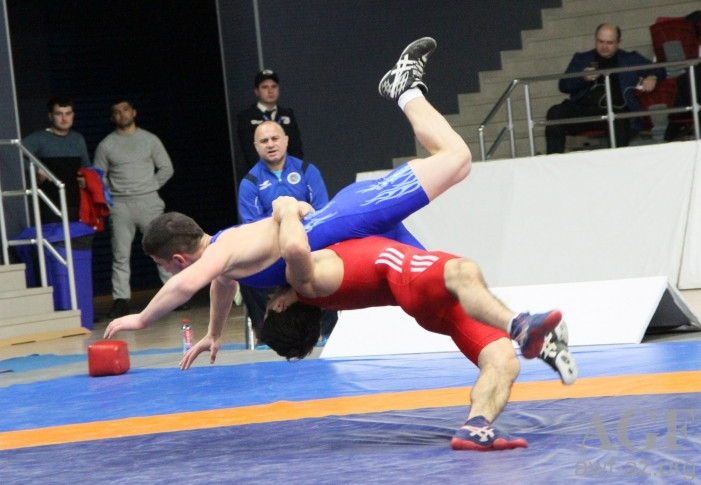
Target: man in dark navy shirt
267 90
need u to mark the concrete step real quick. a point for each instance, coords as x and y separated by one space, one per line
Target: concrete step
40 326
12 277
27 314
621 12
28 301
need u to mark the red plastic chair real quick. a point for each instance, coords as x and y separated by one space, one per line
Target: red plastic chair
674 30
664 95
695 23
665 92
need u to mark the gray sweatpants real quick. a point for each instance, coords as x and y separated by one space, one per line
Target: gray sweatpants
128 214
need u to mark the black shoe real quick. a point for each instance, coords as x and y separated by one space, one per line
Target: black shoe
120 307
557 355
409 69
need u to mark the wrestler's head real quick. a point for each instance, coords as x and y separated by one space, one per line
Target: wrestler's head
171 233
293 332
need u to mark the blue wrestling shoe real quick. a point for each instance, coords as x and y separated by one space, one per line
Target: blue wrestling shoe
408 70
478 434
557 355
529 331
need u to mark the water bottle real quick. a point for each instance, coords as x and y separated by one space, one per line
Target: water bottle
187 335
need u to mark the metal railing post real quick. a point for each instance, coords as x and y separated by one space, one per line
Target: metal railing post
3 231
529 117
609 111
36 195
39 231
480 133
694 100
69 248
510 124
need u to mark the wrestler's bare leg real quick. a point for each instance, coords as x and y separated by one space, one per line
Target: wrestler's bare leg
450 159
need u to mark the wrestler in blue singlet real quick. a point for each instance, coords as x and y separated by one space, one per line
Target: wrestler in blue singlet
365 208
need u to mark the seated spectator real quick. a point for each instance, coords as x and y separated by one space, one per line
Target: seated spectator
588 95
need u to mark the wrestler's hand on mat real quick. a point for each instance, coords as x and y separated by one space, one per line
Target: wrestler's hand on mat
128 322
207 343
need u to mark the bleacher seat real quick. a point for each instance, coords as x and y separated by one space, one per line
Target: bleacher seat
663 96
674 39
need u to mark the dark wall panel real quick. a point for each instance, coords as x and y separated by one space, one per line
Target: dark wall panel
331 56
162 54
166 56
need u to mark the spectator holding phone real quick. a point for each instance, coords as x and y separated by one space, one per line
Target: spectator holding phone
588 93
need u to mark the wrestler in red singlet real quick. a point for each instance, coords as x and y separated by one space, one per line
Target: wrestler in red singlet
384 272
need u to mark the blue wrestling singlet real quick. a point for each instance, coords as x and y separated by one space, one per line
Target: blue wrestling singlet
366 208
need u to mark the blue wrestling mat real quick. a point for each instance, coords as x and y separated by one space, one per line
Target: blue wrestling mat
634 416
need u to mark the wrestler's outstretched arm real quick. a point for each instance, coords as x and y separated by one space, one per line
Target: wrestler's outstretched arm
176 291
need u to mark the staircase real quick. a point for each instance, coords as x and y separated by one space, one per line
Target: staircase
566 30
27 314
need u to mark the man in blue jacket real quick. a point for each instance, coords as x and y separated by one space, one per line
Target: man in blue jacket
587 94
277 173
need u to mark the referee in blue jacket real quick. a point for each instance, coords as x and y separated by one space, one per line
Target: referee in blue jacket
277 173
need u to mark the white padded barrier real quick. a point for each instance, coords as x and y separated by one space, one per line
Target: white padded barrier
597 313
584 216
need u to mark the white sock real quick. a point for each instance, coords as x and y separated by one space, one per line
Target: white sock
408 95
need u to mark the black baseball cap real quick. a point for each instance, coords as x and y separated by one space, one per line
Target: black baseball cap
264 75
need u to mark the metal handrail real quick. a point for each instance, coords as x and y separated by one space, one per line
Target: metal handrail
610 115
36 194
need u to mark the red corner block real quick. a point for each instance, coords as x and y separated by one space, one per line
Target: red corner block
108 358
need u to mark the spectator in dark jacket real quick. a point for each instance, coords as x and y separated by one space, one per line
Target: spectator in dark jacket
267 91
587 93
